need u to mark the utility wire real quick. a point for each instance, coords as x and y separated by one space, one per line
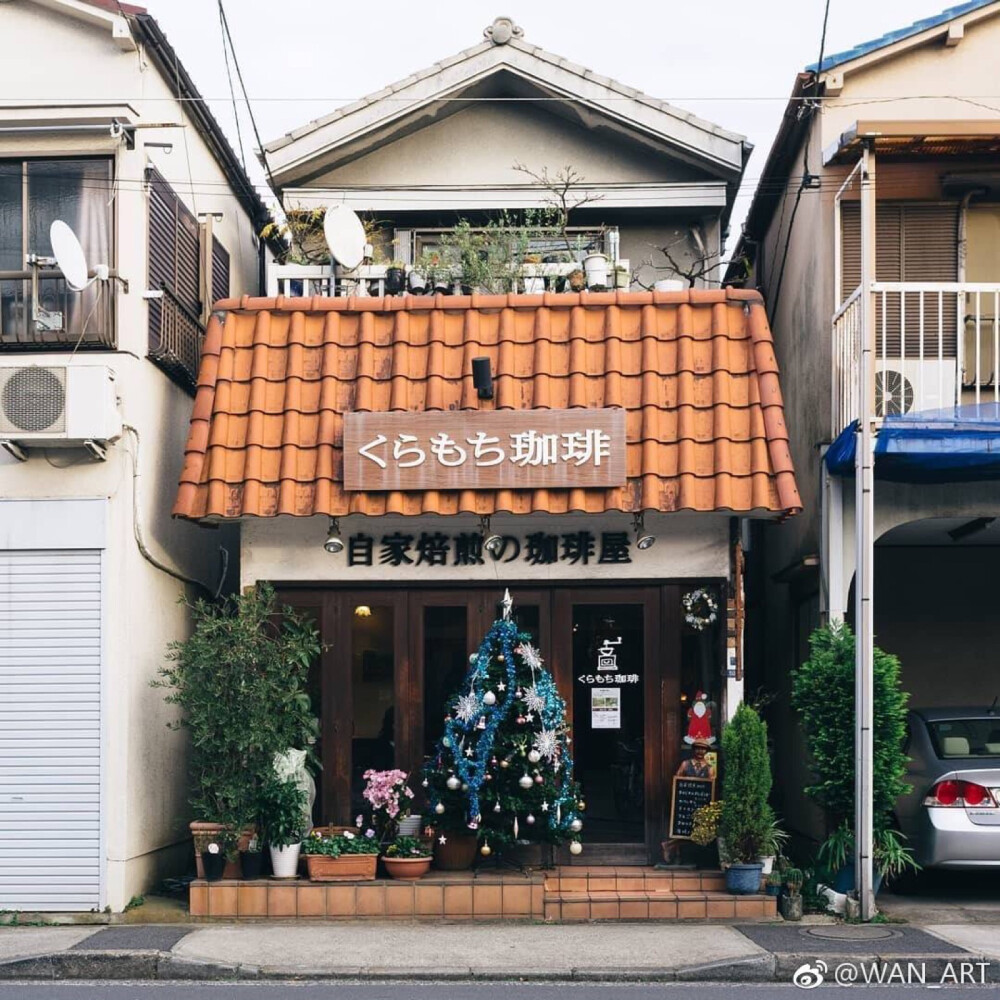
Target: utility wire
253 120
806 181
232 90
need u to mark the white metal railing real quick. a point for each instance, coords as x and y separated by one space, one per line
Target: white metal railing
937 345
307 280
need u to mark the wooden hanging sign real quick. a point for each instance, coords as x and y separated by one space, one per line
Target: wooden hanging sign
476 450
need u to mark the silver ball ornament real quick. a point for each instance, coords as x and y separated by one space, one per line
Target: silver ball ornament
529 819
496 808
576 847
439 808
465 787
489 698
525 781
534 756
453 782
577 825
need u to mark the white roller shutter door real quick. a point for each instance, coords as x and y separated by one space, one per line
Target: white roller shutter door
50 729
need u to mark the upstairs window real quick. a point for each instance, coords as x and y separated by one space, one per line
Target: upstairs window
33 194
191 274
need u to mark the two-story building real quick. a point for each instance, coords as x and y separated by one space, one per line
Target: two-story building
102 128
878 114
600 463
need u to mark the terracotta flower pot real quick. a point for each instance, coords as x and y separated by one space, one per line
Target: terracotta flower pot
346 868
407 868
456 853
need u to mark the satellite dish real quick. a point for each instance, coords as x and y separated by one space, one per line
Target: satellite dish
69 255
345 236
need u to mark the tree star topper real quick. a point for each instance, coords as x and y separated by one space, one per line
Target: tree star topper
507 604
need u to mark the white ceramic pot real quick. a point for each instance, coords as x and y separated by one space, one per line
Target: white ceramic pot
534 286
595 266
768 864
409 826
670 285
285 861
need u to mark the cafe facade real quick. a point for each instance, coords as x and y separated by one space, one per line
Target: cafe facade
601 465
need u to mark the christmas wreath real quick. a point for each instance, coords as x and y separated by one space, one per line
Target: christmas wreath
700 608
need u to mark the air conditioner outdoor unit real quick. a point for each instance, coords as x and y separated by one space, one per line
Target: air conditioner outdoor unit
53 406
905 386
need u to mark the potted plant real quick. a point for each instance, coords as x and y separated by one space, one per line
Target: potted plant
622 278
790 902
774 842
823 695
395 278
213 860
281 819
252 859
746 815
773 883
239 680
595 266
407 858
389 797
341 857
576 280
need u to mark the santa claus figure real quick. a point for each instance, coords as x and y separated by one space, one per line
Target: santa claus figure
699 720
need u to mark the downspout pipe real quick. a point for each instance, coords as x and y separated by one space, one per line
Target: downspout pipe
962 239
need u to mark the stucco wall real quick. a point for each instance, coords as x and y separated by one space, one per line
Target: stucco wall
144 769
481 144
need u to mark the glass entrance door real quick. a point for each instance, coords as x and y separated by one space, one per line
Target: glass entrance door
609 718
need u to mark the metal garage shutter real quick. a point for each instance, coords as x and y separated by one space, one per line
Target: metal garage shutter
50 729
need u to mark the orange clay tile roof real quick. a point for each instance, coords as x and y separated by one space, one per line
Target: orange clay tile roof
694 370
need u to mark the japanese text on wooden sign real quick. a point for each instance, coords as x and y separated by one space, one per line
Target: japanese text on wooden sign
539 548
497 449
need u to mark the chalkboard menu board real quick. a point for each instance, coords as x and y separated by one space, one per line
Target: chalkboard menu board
688 796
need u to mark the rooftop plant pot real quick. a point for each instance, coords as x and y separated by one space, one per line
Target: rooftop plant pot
595 266
407 868
457 852
395 280
743 880
346 868
417 282
669 285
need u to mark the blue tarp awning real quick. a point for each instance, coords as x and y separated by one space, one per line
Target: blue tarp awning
958 444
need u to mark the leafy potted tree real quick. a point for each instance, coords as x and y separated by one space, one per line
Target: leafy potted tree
746 815
407 858
341 857
239 680
823 695
281 819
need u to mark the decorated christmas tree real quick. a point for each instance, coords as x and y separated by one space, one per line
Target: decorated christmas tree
503 766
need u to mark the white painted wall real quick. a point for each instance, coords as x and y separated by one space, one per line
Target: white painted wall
147 809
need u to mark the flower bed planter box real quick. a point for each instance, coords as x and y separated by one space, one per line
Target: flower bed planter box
346 868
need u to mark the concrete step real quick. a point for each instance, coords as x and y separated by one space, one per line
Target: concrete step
633 879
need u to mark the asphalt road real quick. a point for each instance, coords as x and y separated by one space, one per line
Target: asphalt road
449 991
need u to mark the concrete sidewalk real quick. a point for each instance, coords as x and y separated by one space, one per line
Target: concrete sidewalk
484 951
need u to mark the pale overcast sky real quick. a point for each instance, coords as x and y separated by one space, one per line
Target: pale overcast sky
730 61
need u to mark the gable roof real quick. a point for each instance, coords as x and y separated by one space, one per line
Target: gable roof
694 371
898 34
504 55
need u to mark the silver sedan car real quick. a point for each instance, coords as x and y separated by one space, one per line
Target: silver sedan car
951 815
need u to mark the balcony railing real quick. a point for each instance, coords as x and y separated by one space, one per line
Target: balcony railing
64 318
937 345
175 338
298 280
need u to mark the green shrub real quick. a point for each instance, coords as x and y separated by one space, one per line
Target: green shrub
280 812
823 694
746 816
240 682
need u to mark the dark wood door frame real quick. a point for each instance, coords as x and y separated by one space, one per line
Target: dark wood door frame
334 605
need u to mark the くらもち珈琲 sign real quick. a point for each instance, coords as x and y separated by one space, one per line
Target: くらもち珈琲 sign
474 450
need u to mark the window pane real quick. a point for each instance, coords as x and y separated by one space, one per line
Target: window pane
446 660
372 683
11 250
78 192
